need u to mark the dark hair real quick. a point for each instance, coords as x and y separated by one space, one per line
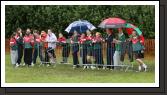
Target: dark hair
13 34
36 31
18 29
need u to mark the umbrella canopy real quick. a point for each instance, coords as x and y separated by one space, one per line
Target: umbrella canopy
80 26
130 27
112 23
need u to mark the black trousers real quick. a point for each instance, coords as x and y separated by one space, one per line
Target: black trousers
50 50
98 57
28 56
75 58
110 60
37 52
83 55
20 53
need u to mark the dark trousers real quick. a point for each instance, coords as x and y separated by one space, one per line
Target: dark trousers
50 50
126 46
84 56
37 52
110 54
75 58
20 54
28 56
98 57
65 53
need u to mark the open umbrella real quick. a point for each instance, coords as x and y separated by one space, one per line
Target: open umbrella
80 26
130 27
112 23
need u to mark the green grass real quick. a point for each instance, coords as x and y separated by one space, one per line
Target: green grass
64 73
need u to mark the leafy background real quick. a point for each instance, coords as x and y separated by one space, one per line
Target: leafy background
58 17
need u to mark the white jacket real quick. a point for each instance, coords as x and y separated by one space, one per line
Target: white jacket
51 39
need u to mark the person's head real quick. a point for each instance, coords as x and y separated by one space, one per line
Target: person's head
19 30
75 33
35 32
28 31
120 30
98 34
134 34
13 35
108 31
88 32
49 31
60 35
82 35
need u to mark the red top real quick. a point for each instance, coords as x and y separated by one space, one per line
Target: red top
37 39
82 40
29 39
62 39
97 39
12 41
89 37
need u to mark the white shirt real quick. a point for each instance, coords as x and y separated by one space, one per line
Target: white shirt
51 39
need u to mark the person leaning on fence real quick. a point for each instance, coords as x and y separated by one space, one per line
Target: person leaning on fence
137 51
89 45
83 49
37 45
98 40
28 41
126 46
75 49
119 41
66 48
13 50
19 40
51 39
110 48
44 46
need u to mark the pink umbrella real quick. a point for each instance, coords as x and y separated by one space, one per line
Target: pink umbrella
112 23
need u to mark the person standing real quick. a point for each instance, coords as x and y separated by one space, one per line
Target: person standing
110 49
13 50
19 40
37 46
75 49
51 39
66 49
83 49
28 41
98 49
89 45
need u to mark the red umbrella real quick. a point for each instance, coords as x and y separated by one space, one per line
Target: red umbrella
112 23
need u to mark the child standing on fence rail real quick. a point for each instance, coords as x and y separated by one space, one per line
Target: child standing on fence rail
66 49
137 50
13 50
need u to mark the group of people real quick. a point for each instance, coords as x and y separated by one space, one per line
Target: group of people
88 45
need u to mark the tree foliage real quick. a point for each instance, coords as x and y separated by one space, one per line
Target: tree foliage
58 17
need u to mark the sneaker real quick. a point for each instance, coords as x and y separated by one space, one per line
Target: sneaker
17 65
92 67
32 64
74 66
139 68
47 65
145 68
84 67
23 64
104 68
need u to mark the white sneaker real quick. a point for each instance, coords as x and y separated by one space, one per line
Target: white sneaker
17 65
74 66
32 64
23 64
92 67
84 67
145 68
104 68
139 68
47 65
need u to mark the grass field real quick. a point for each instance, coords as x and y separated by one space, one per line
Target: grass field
64 73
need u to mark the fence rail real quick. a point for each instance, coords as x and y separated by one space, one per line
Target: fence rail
149 46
